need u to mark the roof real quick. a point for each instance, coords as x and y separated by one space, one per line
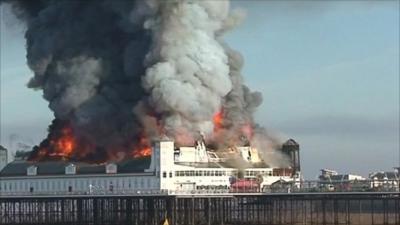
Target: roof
385 175
19 168
281 182
337 177
2 148
290 142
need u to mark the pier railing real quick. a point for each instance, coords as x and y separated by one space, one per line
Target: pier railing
276 188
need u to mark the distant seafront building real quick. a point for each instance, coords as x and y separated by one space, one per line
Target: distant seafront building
382 180
331 180
169 169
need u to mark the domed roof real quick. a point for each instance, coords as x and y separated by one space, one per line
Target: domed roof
290 142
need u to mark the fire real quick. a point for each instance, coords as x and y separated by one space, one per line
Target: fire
143 149
218 120
143 152
60 143
65 144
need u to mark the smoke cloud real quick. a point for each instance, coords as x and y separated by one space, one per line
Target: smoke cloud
116 72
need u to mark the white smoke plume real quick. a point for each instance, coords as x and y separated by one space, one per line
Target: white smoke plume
188 73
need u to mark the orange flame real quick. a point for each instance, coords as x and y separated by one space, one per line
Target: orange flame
218 120
64 145
144 149
143 152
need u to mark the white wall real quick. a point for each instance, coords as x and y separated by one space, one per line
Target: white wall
77 183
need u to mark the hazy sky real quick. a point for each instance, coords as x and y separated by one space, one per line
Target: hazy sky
328 71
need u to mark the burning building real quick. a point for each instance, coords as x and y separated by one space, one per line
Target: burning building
121 75
168 169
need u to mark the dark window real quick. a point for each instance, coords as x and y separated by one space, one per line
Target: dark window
170 174
164 174
31 189
69 188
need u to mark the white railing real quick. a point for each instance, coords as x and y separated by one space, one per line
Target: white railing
287 187
143 192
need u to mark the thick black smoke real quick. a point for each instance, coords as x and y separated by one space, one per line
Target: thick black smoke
120 70
87 58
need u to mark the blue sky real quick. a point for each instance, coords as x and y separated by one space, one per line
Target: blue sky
328 71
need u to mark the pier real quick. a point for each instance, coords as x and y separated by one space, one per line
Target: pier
361 208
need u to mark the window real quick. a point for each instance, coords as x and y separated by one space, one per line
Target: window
111 168
170 174
149 182
142 182
31 171
164 174
70 169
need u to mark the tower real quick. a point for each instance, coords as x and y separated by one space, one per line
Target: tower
292 149
162 163
3 157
